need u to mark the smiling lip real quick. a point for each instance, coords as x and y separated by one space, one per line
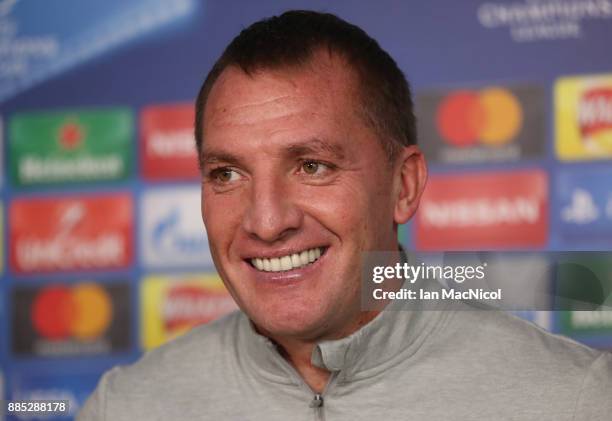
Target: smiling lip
281 275
288 261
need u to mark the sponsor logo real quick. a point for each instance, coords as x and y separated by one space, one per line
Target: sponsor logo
71 135
576 322
490 124
492 116
64 147
583 117
581 209
75 233
543 20
585 206
595 112
172 232
487 210
76 319
73 388
168 142
172 305
584 285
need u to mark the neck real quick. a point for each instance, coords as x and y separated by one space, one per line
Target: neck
298 352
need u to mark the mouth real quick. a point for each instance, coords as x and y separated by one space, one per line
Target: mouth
288 262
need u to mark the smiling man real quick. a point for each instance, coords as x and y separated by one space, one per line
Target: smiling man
306 138
291 170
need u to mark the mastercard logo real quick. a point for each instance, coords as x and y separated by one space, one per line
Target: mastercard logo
491 116
83 312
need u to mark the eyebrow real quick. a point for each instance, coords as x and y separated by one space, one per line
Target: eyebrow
214 157
315 146
295 150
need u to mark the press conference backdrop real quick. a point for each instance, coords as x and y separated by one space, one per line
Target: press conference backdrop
104 252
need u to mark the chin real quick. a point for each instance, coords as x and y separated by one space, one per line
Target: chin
291 321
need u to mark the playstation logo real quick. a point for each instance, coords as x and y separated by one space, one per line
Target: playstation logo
582 208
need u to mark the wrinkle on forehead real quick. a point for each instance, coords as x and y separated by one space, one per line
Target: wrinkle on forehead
246 113
237 98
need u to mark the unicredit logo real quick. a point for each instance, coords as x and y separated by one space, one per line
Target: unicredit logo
492 116
70 233
82 312
67 249
595 111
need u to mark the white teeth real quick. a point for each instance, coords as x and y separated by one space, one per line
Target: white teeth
311 255
304 258
292 261
286 263
295 260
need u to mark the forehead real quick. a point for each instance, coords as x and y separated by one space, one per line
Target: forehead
323 85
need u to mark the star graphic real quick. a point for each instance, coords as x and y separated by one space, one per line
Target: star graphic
71 135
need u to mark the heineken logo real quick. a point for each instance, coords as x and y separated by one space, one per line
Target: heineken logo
69 147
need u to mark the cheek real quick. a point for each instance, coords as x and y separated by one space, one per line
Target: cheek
358 211
225 211
342 208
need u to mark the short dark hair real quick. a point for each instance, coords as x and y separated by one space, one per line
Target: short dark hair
290 40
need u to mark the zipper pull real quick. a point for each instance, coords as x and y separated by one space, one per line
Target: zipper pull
317 401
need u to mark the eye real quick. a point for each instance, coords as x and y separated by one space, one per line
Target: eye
314 168
224 175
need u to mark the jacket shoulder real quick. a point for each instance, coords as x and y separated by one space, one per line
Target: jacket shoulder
196 361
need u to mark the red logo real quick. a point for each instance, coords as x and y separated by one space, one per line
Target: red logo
71 135
82 312
167 143
595 111
190 305
480 211
70 233
491 116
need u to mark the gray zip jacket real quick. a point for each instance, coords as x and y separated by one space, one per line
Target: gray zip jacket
403 365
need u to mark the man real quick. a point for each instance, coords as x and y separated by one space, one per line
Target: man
306 138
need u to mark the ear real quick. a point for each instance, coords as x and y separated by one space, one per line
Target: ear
410 176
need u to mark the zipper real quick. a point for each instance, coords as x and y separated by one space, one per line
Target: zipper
318 400
317 404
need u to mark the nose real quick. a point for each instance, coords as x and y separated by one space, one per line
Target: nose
272 215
